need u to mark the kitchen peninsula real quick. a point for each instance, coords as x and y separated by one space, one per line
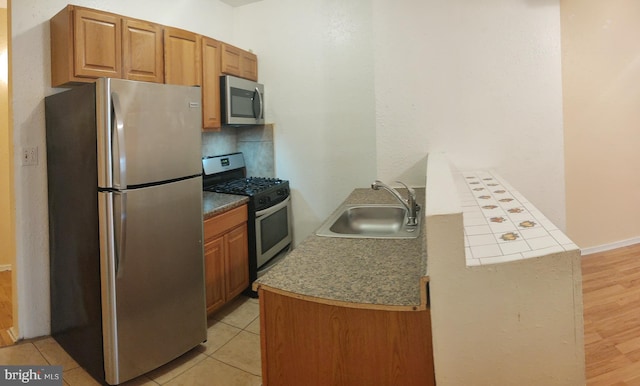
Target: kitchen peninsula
345 311
436 309
505 284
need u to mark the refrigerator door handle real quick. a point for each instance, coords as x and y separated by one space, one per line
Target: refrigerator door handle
108 253
119 148
121 242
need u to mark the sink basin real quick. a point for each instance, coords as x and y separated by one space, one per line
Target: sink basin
369 221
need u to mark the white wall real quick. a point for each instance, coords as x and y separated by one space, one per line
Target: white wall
480 81
316 60
31 83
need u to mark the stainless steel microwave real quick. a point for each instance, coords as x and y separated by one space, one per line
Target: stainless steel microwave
242 101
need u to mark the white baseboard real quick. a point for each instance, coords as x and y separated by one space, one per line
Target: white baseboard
5 267
610 246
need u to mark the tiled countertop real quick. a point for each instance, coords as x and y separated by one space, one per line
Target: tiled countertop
371 272
216 203
505 284
501 225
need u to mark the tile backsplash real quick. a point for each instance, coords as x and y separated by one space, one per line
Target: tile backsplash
255 142
222 142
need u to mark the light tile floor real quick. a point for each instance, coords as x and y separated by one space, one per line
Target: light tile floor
230 357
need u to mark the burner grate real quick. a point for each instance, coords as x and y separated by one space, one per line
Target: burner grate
247 186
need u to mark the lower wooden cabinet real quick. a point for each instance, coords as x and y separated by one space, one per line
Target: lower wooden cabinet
226 255
306 342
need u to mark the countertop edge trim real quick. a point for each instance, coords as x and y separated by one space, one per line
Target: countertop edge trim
339 303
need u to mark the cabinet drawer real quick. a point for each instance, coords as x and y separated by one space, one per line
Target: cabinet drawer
224 222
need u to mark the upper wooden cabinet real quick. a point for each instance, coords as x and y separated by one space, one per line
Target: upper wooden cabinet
211 118
182 50
85 44
238 62
142 51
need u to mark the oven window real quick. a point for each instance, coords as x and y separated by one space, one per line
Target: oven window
273 229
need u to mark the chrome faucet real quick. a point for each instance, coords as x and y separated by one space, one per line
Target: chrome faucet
409 203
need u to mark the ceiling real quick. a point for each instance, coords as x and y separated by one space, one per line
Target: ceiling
238 3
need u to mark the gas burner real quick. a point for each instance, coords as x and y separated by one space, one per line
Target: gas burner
248 186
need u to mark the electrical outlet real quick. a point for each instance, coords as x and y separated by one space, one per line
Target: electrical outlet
29 156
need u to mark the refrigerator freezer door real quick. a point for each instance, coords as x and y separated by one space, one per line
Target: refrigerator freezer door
152 276
147 132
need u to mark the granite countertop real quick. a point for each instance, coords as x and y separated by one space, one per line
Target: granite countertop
374 272
216 203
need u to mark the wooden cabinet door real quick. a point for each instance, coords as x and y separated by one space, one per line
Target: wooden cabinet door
182 57
237 62
237 261
97 42
226 255
249 66
214 259
142 51
211 118
305 342
231 60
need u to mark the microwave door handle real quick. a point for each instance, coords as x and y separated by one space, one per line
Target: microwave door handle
261 104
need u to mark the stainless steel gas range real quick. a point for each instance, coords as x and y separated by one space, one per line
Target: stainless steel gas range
269 207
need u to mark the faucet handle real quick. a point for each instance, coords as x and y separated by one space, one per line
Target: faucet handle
411 196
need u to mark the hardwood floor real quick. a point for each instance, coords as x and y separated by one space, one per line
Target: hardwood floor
611 291
6 310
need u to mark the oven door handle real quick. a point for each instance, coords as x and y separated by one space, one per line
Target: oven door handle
273 209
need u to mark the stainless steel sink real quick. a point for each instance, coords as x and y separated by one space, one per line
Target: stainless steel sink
375 221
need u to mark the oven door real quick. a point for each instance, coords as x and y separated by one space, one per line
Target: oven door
273 231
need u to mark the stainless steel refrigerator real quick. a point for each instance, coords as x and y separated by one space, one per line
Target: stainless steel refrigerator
125 221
